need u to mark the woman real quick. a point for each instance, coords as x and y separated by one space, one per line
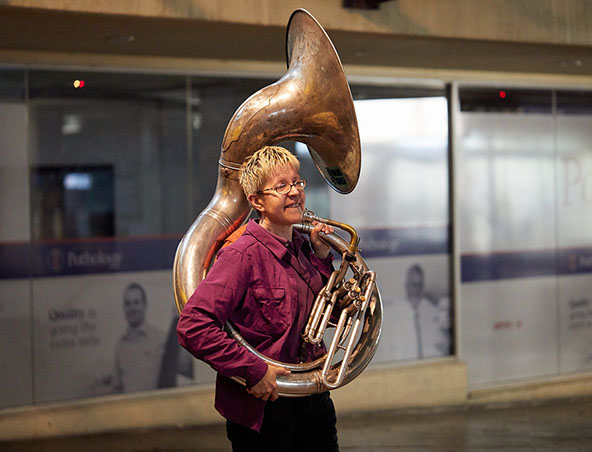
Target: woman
265 284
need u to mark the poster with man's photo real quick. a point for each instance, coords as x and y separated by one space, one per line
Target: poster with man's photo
107 334
416 307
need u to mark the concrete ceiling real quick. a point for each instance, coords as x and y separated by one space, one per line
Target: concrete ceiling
29 30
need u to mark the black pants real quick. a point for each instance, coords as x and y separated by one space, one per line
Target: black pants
291 424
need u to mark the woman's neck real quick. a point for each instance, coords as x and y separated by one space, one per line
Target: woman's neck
284 231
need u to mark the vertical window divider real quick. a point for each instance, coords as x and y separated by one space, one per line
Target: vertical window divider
455 292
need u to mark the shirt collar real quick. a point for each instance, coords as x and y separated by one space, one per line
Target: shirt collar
277 245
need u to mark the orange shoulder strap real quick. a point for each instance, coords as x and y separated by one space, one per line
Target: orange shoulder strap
234 236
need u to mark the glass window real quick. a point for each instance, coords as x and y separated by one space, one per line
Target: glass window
574 228
401 207
104 172
15 290
506 193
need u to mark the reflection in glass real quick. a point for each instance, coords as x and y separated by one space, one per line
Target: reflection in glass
72 202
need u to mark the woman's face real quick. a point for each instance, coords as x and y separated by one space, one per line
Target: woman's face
134 307
280 211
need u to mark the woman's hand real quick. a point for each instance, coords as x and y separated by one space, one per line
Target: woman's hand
320 248
267 388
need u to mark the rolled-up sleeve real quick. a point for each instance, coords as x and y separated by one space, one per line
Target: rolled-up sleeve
201 323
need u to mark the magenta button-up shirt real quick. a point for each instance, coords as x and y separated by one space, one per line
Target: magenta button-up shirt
265 286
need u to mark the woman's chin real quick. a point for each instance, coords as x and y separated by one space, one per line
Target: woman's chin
297 216
294 215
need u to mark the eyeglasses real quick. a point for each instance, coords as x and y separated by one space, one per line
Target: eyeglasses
284 189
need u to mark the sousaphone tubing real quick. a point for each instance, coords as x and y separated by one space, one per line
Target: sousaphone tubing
312 104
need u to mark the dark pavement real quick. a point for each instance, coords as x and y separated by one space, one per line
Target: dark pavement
562 425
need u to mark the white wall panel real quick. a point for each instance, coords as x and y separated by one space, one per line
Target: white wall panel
509 329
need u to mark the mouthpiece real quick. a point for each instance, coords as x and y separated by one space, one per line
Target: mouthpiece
308 216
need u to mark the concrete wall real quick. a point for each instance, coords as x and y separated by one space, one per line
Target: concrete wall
439 383
432 385
528 21
532 41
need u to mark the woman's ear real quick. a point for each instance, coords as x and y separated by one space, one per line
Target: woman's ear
256 202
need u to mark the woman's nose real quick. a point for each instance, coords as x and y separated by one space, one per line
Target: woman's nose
293 189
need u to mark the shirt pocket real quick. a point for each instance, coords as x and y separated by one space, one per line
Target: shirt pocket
272 314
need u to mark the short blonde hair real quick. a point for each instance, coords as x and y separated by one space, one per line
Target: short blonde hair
261 166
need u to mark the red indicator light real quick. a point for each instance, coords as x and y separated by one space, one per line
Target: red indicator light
78 83
502 94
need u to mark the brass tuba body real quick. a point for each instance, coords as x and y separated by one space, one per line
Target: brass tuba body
311 103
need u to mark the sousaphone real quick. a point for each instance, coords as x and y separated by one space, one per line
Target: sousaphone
312 104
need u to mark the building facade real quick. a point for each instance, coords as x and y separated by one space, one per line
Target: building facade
472 205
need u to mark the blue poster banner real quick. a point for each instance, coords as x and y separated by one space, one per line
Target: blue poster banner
525 264
39 260
382 242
